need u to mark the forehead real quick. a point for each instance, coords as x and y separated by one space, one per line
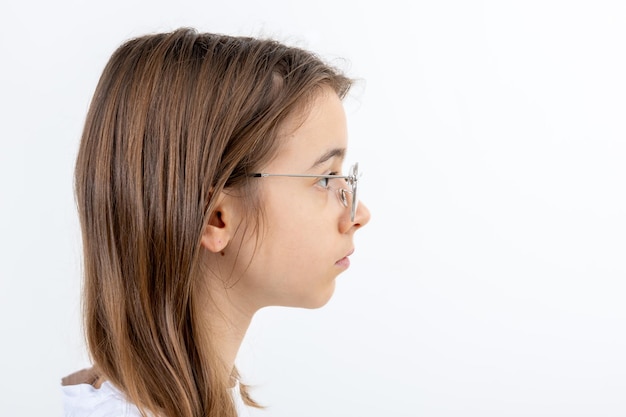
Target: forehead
316 134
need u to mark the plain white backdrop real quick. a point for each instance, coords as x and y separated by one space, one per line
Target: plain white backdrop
492 135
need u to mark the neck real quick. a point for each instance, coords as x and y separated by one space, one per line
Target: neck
222 323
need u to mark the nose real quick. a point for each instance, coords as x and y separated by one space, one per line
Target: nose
362 215
361 218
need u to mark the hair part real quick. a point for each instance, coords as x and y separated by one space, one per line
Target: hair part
176 119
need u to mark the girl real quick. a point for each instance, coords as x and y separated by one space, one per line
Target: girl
209 185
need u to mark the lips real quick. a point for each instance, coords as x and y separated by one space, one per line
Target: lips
345 261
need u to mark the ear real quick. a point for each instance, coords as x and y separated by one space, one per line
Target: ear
221 225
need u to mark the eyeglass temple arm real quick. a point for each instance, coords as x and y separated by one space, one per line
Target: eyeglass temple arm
263 174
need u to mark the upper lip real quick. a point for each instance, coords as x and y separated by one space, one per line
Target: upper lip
350 252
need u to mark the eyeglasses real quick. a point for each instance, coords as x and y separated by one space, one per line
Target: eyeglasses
348 198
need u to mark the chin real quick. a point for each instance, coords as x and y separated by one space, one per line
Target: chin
317 304
320 300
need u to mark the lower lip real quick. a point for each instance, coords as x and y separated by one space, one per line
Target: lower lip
343 262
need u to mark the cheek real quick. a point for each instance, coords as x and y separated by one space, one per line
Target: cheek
296 235
293 260
299 236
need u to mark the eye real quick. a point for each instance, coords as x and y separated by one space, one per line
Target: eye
325 182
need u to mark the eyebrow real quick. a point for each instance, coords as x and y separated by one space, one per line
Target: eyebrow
333 153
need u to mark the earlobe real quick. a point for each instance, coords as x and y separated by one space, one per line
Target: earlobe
219 230
215 237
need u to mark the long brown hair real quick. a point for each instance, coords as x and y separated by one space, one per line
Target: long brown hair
175 119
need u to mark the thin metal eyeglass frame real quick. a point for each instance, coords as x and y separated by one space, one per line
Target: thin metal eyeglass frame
352 179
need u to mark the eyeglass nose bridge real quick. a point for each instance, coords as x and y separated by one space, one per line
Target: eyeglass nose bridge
346 197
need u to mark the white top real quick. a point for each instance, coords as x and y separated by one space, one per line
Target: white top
84 400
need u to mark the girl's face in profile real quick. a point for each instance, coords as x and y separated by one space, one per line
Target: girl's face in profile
306 232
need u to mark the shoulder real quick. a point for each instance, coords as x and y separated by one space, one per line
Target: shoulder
85 400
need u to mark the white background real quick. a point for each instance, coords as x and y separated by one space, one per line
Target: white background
492 136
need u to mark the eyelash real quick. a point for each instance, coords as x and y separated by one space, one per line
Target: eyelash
326 180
